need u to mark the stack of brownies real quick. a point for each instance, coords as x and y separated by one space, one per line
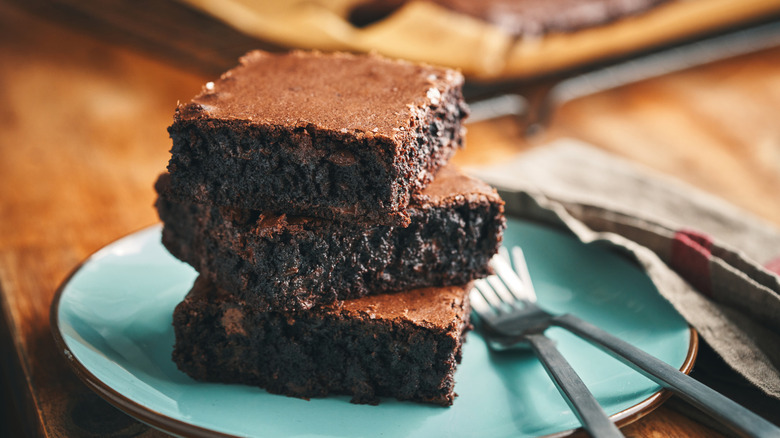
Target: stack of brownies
333 241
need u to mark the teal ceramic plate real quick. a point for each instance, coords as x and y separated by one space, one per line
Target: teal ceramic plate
112 319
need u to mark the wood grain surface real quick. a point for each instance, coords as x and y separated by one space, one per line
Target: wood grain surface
715 127
83 136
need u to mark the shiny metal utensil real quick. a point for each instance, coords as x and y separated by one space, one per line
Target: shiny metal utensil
508 324
505 295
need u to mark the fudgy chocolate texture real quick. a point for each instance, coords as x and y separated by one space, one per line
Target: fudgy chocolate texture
403 345
291 263
337 136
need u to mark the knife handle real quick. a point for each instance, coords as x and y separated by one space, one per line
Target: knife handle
738 419
573 389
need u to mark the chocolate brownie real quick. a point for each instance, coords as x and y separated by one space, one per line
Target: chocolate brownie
403 345
292 262
336 136
520 17
537 17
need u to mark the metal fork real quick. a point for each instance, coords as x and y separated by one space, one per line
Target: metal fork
505 305
512 319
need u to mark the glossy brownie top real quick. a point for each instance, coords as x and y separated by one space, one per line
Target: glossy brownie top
364 95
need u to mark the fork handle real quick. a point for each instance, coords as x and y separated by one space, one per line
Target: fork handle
573 389
738 419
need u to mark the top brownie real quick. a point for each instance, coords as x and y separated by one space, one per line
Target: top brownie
337 136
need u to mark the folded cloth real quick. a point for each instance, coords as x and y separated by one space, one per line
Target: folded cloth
716 264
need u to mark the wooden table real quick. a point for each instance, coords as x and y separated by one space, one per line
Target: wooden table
83 136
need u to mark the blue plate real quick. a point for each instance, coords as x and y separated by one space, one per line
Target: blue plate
112 319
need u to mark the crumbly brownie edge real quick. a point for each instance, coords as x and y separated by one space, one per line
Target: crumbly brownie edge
435 132
316 353
305 170
295 266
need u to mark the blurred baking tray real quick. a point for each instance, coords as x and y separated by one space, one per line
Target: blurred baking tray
208 36
424 30
526 75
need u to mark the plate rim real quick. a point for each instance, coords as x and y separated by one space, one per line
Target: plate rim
175 426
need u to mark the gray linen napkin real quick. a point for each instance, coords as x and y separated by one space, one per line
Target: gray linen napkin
711 260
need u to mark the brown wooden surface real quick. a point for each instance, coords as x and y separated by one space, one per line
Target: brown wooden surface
82 138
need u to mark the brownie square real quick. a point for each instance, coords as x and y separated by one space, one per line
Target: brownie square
403 345
336 136
292 262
